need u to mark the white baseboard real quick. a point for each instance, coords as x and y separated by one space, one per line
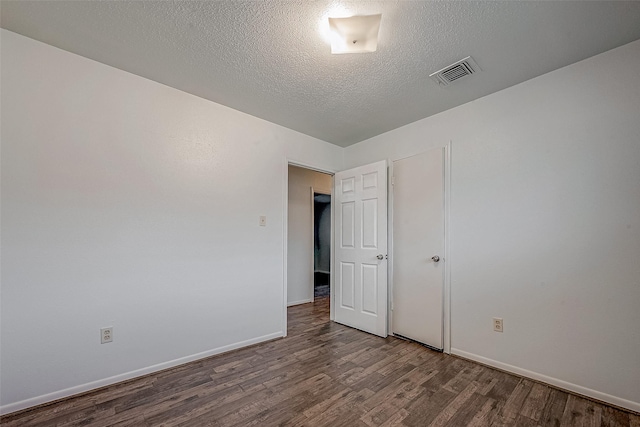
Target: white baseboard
67 392
604 397
304 301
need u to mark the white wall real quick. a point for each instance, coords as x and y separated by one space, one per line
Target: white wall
126 203
545 223
300 232
130 204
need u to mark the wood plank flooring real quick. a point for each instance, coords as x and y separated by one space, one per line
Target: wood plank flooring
325 374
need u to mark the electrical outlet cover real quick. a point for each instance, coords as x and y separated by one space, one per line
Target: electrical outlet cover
106 335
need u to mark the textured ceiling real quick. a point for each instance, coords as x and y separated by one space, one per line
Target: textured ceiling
268 58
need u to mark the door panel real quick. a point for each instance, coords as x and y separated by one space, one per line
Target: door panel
418 234
361 234
369 226
348 221
347 279
370 289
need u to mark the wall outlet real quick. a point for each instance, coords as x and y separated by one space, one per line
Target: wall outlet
497 324
263 221
106 335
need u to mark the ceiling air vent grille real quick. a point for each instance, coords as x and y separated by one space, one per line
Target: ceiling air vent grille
456 71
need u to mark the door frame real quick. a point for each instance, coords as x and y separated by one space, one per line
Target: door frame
446 205
285 197
313 235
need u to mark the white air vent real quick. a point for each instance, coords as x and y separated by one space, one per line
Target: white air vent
456 71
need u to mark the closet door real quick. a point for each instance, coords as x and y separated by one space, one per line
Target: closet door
418 245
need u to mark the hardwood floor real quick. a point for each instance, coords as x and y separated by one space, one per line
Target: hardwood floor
325 374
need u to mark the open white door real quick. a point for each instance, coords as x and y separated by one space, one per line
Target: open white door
361 248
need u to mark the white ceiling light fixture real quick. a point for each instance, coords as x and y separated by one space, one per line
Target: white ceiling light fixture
357 34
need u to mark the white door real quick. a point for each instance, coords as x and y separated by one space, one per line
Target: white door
360 196
418 244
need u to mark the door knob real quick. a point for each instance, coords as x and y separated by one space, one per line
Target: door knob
435 258
380 256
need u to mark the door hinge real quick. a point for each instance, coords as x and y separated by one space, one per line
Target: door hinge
393 180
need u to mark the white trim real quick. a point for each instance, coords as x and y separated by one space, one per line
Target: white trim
332 267
303 301
446 306
292 162
285 228
312 291
604 397
390 193
71 391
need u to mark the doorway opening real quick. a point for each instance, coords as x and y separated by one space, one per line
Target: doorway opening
309 218
321 245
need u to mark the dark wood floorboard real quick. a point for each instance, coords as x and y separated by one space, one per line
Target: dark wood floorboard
325 374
